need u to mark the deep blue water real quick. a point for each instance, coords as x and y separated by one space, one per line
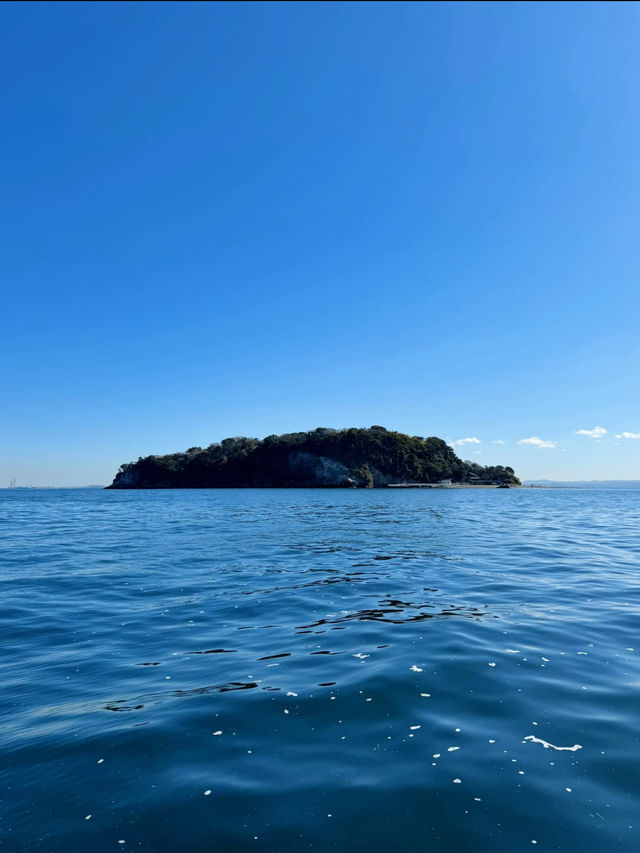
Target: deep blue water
273 670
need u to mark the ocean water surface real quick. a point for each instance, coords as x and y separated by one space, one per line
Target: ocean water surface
288 670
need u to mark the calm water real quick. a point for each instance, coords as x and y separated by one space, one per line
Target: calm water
328 670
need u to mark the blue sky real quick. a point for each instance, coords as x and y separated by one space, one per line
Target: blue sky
224 219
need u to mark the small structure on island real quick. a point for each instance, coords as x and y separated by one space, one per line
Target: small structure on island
445 482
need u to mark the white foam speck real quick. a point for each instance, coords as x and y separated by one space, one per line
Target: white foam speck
546 660
477 799
100 760
491 663
533 841
568 789
426 695
207 792
458 730
415 668
413 728
491 740
457 781
88 817
437 755
513 651
452 748
217 733
361 656
291 693
548 745
286 710
581 653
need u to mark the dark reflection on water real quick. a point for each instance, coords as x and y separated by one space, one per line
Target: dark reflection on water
398 612
209 652
229 687
412 681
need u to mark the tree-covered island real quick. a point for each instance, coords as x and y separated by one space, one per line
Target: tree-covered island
355 458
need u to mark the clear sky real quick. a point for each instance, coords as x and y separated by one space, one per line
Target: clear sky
223 219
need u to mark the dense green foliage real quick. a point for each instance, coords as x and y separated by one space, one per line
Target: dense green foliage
321 457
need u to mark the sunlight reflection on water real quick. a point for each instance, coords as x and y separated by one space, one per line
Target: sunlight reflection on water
275 670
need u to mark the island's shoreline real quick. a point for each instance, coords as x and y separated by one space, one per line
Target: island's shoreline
395 486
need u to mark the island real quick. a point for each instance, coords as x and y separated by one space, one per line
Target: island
322 458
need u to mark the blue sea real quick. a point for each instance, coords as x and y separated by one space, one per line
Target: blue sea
293 670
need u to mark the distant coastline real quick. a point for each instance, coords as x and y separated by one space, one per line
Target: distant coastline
48 488
582 484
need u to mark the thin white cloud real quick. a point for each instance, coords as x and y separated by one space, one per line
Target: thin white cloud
498 441
534 441
635 435
461 441
596 432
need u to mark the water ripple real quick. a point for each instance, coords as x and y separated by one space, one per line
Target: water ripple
279 670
